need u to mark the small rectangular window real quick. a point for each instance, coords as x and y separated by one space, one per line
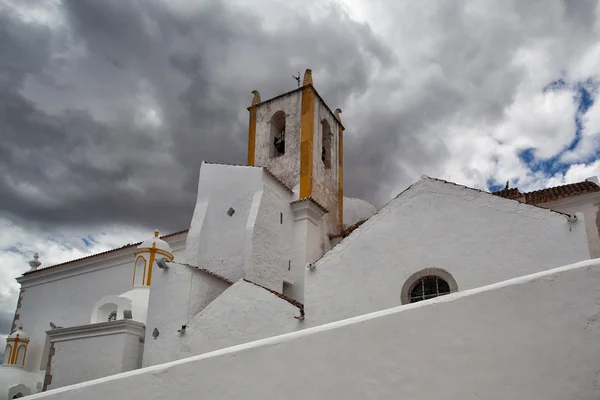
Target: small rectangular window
281 218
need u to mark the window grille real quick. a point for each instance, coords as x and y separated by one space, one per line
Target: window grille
428 287
112 316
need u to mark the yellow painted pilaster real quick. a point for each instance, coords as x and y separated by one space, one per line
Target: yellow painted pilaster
252 136
341 175
307 127
150 265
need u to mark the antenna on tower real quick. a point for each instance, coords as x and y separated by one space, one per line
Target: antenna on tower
297 78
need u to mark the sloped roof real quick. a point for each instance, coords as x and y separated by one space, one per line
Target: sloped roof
550 194
102 253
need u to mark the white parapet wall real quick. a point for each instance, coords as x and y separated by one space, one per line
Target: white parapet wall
533 337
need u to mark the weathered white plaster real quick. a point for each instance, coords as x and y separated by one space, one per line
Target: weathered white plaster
242 313
589 205
178 294
287 166
356 210
478 238
513 340
87 352
253 242
325 180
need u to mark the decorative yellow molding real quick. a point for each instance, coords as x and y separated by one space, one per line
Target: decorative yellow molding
13 347
307 77
256 98
307 127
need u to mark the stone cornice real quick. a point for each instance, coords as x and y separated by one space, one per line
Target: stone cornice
307 209
93 330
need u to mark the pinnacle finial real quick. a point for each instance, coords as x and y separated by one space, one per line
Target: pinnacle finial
307 77
35 263
256 98
337 112
156 233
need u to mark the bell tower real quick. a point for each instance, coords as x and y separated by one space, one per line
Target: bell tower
297 137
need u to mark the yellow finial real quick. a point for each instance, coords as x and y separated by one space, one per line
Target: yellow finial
307 77
156 233
20 327
256 99
338 111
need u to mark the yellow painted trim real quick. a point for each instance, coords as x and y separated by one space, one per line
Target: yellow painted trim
252 136
307 127
150 265
158 251
341 175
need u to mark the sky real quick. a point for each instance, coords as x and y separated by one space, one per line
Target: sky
108 107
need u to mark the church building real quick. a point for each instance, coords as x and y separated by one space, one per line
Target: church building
283 285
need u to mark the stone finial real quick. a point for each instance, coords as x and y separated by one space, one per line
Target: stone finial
35 263
307 77
337 112
256 99
156 233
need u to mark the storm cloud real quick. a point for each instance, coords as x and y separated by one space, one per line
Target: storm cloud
107 108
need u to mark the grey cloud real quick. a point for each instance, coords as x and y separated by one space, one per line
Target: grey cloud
73 154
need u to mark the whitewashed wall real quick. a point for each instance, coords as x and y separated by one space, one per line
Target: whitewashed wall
242 313
253 243
66 295
177 295
533 337
589 205
94 351
476 237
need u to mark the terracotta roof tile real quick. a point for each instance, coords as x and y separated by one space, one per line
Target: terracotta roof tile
102 253
560 192
209 273
512 193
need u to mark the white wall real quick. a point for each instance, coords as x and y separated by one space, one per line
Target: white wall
242 313
476 237
94 351
589 205
531 337
66 294
177 295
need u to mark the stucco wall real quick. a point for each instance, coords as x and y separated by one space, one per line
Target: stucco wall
95 351
216 241
532 337
272 238
66 294
476 237
325 180
287 166
589 205
242 313
177 295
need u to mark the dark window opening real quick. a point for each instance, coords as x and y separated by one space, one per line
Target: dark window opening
278 134
326 144
281 218
112 316
428 288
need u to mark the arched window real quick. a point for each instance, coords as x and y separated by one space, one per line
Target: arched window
18 395
139 274
428 288
112 316
277 134
326 143
427 284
